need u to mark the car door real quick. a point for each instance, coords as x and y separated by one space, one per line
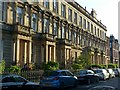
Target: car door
64 79
8 83
71 78
21 82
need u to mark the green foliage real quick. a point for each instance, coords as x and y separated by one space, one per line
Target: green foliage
95 66
103 66
76 66
111 65
2 66
50 66
84 60
14 69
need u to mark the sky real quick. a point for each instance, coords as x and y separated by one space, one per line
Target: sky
107 12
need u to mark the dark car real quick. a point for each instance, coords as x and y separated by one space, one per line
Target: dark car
58 79
16 82
87 76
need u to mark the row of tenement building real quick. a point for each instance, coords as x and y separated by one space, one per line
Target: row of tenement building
55 30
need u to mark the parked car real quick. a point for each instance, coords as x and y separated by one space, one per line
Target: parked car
58 79
111 72
117 71
103 74
16 82
87 76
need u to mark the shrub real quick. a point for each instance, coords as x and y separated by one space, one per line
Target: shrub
2 66
14 69
50 66
111 65
96 66
76 66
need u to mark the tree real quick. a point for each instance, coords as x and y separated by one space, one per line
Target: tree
2 66
84 60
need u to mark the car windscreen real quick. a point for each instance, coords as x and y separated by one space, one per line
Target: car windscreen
97 71
83 72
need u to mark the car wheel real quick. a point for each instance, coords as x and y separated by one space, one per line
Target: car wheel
75 83
97 79
88 81
61 86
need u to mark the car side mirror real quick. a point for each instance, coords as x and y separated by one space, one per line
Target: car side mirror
24 82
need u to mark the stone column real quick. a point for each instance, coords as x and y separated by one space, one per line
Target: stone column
25 53
17 51
14 44
30 51
54 53
46 53
50 53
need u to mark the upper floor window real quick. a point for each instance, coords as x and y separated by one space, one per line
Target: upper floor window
3 11
63 10
55 6
75 17
63 32
70 15
20 15
84 24
46 3
98 32
55 29
95 30
34 21
80 21
78 39
91 28
70 35
46 26
75 37
88 26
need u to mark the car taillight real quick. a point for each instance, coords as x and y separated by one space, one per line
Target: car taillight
42 77
56 78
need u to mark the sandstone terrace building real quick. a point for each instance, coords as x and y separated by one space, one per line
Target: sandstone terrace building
37 32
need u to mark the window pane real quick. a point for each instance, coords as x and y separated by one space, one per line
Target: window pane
63 10
46 26
20 15
55 6
75 17
34 21
55 29
63 31
46 3
69 14
80 23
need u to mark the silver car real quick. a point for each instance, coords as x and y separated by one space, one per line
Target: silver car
103 74
58 79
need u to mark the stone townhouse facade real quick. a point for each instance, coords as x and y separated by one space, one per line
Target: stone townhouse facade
114 50
37 32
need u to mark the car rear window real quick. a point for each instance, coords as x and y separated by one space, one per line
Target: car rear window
50 73
54 73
